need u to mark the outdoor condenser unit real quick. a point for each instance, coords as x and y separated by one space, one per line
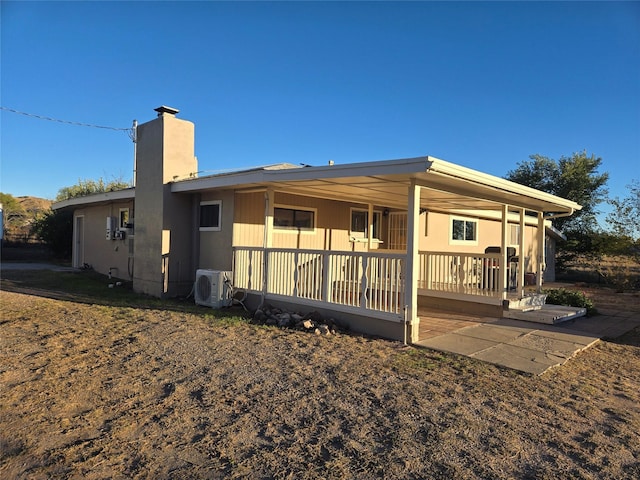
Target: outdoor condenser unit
213 288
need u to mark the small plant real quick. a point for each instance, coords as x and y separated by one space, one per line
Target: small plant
570 298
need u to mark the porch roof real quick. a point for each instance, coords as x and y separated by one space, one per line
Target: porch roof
446 186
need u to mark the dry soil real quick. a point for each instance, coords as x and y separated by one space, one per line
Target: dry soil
96 391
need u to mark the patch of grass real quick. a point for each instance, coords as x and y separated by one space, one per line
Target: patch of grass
91 287
418 359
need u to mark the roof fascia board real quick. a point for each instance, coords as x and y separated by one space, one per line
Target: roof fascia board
125 194
474 176
219 181
364 169
474 189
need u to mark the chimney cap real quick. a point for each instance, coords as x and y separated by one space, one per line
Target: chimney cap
162 109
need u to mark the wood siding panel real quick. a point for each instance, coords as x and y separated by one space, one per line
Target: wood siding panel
333 221
248 227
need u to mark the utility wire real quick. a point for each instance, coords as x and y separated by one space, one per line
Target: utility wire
79 124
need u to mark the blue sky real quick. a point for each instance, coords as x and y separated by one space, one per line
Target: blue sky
483 85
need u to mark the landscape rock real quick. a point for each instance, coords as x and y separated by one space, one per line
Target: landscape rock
324 329
315 316
311 322
284 320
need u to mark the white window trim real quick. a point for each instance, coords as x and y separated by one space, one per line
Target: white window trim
219 227
295 230
464 219
365 234
120 226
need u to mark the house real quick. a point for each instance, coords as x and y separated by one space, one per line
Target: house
368 243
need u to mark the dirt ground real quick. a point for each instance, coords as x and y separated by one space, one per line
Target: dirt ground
97 391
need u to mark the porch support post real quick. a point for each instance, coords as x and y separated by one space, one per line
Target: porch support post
370 227
521 262
412 267
542 252
268 239
268 218
504 274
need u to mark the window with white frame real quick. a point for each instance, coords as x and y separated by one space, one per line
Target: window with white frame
360 223
463 231
294 218
211 216
123 218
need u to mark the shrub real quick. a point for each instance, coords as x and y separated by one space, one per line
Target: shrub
55 229
570 298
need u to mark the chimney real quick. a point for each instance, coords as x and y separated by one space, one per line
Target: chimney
164 151
164 110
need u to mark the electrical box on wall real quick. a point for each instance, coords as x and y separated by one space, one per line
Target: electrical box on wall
120 235
111 228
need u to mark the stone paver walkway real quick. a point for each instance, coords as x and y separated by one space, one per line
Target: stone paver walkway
524 346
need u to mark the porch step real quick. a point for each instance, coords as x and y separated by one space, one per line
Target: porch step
532 301
547 314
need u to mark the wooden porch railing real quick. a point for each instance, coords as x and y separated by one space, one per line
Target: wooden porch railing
369 281
462 273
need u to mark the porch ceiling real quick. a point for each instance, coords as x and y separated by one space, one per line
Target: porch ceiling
387 191
446 187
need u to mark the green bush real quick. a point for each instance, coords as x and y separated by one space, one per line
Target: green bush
570 298
55 229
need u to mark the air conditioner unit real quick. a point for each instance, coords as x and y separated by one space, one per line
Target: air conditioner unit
213 288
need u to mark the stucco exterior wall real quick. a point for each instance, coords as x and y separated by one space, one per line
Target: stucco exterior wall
96 250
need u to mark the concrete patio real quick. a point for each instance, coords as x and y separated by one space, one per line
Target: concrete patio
517 344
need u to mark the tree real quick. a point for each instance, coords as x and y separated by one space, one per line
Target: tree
88 187
13 211
575 178
624 219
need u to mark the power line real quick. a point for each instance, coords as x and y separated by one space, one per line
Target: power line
79 124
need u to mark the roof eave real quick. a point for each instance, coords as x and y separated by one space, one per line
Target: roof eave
562 205
405 166
126 194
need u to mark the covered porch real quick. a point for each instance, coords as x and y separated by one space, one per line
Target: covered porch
389 286
373 284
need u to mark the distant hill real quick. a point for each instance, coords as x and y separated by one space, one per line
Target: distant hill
20 215
34 204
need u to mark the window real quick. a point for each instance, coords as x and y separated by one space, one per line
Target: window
360 223
210 216
123 218
514 234
463 231
291 218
